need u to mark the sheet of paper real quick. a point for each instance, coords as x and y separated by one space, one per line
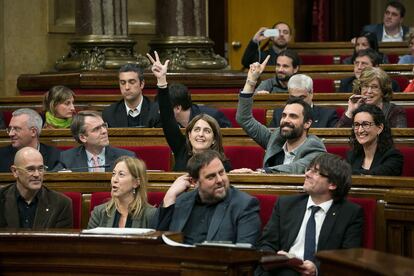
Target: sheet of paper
170 242
118 231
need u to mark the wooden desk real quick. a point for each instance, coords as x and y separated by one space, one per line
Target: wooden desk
363 262
73 253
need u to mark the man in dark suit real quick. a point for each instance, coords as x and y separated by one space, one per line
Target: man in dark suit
363 59
24 130
392 28
301 86
321 219
27 203
134 110
214 211
94 154
185 110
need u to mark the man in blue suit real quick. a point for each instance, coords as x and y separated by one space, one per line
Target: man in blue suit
214 210
392 28
336 222
301 86
94 154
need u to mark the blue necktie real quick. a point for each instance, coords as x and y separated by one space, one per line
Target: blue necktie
310 236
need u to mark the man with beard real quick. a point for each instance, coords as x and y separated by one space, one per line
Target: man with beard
27 203
134 110
287 64
214 210
94 154
277 45
289 148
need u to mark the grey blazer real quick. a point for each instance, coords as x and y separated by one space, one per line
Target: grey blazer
76 159
54 210
272 142
100 218
235 219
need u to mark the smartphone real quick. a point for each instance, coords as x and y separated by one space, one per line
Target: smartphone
271 32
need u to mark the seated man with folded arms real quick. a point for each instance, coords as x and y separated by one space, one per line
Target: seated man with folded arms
287 64
185 110
214 210
134 110
289 148
321 219
24 131
301 86
27 203
94 153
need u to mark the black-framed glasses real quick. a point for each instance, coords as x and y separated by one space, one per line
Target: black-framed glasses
31 170
365 125
316 171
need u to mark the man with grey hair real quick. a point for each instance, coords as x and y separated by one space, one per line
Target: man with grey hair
24 130
301 86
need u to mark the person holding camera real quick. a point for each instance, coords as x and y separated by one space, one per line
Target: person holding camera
279 36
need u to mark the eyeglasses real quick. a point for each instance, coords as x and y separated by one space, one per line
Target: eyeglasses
365 125
366 87
316 171
32 170
15 129
99 128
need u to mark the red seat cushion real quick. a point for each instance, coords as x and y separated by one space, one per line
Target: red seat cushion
324 85
340 111
76 198
409 111
267 202
7 117
369 205
98 198
155 157
155 198
245 156
340 150
408 153
258 113
402 82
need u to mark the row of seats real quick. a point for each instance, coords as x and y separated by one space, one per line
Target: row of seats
266 201
160 157
335 59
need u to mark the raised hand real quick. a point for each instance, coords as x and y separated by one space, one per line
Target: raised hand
158 69
256 69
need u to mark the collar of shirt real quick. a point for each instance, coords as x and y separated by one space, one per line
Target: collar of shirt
19 197
389 38
101 158
324 206
290 156
134 111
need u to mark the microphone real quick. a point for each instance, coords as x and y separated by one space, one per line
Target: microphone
77 169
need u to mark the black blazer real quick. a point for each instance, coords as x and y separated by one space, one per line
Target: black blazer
116 116
322 117
387 163
378 29
50 156
221 119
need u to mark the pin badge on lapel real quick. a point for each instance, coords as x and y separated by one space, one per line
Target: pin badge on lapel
333 214
47 209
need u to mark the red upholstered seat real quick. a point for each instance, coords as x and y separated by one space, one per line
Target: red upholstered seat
316 59
267 202
155 157
155 198
410 116
393 58
245 156
340 150
258 113
324 85
340 111
402 82
7 117
369 205
76 198
408 153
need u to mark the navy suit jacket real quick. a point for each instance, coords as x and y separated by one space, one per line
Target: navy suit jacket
378 29
116 116
76 159
322 117
50 156
342 227
235 219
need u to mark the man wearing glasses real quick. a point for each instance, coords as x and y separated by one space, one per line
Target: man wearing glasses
24 130
27 203
94 154
321 219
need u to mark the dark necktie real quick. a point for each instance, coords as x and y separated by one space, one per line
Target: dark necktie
310 236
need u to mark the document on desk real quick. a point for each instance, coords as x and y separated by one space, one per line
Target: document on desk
118 231
170 242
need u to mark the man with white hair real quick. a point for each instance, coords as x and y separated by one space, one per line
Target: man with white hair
301 86
24 131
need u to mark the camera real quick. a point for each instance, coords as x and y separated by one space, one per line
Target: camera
271 32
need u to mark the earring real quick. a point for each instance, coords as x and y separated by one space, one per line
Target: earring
133 191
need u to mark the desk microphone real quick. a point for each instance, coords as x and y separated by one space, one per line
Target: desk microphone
64 170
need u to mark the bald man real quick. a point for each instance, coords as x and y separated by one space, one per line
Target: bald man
27 203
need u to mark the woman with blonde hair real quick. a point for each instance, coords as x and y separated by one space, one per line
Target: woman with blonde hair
128 206
374 87
58 105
